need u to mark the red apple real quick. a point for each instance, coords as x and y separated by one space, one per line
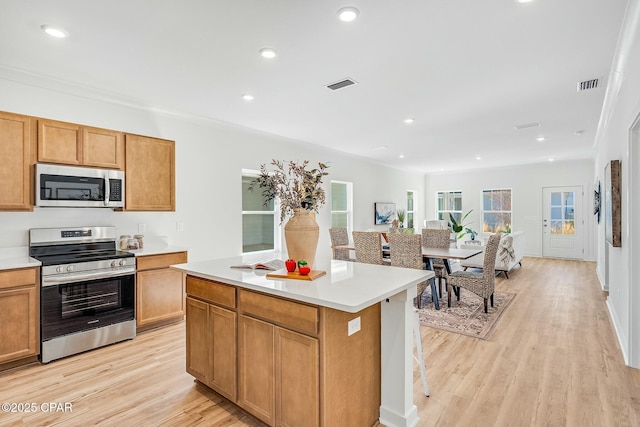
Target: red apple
304 270
291 265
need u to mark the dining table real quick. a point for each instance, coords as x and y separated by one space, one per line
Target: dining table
429 254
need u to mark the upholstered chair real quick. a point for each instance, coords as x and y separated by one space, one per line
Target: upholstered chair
480 283
406 251
340 236
368 247
437 238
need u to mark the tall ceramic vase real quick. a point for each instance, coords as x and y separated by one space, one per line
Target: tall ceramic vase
301 234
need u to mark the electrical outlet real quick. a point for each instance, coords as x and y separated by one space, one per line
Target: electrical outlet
353 326
179 226
142 228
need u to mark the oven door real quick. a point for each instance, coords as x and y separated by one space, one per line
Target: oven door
84 305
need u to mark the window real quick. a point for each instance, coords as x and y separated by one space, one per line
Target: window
562 212
496 211
341 204
259 222
449 202
410 208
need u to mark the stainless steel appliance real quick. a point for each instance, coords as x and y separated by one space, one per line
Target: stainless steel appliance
87 295
71 186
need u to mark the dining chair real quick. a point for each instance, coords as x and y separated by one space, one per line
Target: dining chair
368 247
406 251
480 283
437 238
340 236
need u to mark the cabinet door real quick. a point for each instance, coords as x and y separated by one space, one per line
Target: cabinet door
16 151
297 379
19 320
256 389
102 148
223 355
149 174
59 142
198 339
159 296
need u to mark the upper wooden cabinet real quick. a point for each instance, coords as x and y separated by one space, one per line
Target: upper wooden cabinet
102 148
149 174
17 151
72 144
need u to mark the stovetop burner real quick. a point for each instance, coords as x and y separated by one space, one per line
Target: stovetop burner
69 258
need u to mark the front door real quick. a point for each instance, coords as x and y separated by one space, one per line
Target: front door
562 224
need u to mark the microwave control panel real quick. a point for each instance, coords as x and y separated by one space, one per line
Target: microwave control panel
115 190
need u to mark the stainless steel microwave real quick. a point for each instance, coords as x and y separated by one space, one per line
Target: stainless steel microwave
71 186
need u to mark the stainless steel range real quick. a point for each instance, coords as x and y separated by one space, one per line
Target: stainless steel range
87 295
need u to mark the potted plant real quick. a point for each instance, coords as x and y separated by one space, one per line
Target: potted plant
300 193
401 215
456 227
471 232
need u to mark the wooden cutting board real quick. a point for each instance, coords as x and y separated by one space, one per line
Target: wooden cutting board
284 274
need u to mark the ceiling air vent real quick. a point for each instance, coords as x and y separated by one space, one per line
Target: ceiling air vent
588 84
341 84
526 126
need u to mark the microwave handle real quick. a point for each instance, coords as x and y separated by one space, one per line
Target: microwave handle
107 189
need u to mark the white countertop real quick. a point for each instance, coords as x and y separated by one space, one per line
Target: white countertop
347 286
157 249
17 257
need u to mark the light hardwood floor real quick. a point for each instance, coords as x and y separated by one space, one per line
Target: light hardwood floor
553 360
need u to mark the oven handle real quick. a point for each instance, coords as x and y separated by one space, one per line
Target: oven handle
83 277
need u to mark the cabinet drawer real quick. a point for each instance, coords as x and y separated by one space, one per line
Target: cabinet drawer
15 278
290 314
209 290
149 262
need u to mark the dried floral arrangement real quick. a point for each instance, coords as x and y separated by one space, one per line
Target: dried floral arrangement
294 185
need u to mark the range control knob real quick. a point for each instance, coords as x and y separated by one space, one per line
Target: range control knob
70 268
113 263
59 269
122 262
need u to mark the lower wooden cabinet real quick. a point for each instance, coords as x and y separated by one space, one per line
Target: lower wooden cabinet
159 290
211 346
19 314
294 363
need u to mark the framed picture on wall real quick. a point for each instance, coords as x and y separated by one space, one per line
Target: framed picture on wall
612 204
596 201
384 213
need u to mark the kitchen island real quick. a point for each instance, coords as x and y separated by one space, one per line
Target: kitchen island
333 351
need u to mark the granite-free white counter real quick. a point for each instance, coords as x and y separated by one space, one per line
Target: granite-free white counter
18 257
347 286
157 249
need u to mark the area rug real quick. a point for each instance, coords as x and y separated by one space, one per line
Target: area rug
467 316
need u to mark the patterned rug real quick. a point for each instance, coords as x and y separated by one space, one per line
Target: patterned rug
467 316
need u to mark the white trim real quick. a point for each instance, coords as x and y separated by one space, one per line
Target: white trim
616 327
633 233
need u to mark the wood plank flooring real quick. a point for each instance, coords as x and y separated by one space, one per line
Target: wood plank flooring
553 360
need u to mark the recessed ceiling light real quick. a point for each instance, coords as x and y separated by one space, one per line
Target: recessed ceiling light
541 138
401 156
478 158
59 33
409 120
247 97
381 147
524 1
267 52
551 160
348 14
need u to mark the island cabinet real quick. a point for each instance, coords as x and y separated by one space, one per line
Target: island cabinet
73 144
286 362
159 290
150 174
19 315
17 150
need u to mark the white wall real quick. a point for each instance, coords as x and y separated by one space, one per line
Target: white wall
526 183
210 157
621 108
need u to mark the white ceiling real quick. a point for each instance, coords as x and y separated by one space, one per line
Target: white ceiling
468 71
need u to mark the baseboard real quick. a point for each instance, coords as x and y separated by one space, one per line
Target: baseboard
603 284
616 326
